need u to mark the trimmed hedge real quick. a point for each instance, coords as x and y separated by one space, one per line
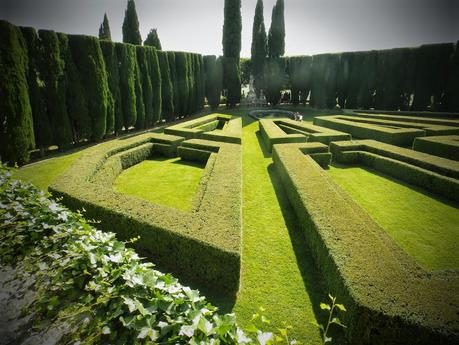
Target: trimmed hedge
442 146
395 136
201 246
435 174
290 131
389 298
206 128
400 117
16 126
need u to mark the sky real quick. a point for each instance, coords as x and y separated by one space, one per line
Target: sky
312 26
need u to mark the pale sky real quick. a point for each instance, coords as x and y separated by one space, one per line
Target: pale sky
312 26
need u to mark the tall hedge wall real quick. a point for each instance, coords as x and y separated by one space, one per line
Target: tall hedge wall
65 89
422 78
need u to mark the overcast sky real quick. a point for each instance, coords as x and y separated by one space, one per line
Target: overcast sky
312 26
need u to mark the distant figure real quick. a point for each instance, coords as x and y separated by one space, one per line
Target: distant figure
298 116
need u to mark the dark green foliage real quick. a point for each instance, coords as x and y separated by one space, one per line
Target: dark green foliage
390 78
275 78
191 83
104 30
16 124
299 70
431 73
156 84
232 27
245 66
153 40
147 91
52 71
42 128
452 84
441 146
259 47
214 80
367 87
167 93
201 82
115 116
276 36
324 76
174 82
343 78
181 65
127 59
356 61
231 80
89 60
76 95
139 103
131 33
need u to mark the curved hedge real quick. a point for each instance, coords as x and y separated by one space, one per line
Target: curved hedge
201 246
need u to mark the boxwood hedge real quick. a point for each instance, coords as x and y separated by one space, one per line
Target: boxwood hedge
289 131
390 299
201 246
443 146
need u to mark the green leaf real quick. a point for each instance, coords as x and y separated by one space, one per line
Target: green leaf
325 306
337 321
340 307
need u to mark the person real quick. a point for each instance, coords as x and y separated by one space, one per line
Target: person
300 117
295 115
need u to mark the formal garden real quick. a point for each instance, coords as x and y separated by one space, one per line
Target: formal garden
145 200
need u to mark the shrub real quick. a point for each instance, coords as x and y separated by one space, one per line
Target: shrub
213 80
155 77
147 91
167 93
16 126
126 57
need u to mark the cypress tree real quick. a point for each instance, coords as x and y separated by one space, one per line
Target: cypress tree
153 40
89 60
365 95
52 69
231 80
275 79
452 86
104 30
139 104
167 96
276 37
214 80
115 116
181 63
16 124
147 92
356 61
390 77
192 83
259 47
75 90
300 77
409 65
131 33
126 57
343 78
42 127
155 77
201 82
231 40
173 70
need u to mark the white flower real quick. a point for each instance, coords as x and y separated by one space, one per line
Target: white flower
263 338
241 337
187 331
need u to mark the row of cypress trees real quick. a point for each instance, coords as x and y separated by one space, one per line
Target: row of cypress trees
59 89
423 78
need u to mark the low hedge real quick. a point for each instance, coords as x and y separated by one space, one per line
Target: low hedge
314 133
422 160
206 127
201 246
71 272
390 299
443 146
440 128
430 114
395 136
317 151
414 118
272 134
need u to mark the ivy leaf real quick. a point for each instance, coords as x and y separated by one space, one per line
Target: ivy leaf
325 306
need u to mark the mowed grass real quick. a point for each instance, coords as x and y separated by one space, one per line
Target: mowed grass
43 173
277 269
169 182
425 226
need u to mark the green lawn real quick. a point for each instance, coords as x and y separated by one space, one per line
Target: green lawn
277 269
169 182
425 226
43 173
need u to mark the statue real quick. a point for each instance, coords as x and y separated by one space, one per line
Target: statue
251 99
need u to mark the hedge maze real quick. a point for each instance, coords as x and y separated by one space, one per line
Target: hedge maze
395 130
201 246
289 131
444 146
